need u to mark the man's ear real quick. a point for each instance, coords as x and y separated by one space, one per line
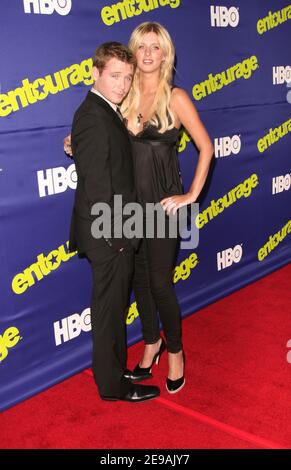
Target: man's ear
95 73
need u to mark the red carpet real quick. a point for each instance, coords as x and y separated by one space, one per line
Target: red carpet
237 393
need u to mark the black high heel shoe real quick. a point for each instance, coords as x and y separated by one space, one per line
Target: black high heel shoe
143 373
174 386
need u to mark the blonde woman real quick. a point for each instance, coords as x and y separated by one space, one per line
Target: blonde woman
154 110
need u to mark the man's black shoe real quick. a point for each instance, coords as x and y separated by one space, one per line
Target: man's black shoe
128 374
136 376
136 394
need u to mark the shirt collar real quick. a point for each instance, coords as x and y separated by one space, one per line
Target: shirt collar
113 106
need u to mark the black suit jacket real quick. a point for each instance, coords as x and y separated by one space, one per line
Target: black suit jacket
104 165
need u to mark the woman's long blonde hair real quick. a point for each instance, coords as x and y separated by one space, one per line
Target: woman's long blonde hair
160 111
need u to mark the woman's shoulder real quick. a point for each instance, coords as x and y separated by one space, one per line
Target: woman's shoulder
178 92
179 98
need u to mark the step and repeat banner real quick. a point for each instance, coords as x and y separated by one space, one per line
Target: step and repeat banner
233 58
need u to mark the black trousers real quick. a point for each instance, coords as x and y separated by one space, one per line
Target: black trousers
112 278
154 290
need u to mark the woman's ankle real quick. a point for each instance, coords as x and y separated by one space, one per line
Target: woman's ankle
149 352
176 365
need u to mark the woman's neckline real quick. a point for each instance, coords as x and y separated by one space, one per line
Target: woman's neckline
144 126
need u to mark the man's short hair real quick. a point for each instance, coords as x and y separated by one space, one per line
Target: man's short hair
110 50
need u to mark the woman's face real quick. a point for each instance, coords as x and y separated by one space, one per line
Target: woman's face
149 54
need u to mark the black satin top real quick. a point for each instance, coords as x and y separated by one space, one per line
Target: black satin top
156 167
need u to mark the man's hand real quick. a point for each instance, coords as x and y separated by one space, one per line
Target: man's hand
68 146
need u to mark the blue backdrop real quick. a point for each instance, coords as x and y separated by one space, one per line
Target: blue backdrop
234 61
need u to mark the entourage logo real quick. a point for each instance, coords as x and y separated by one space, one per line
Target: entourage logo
183 270
288 345
229 256
281 183
72 326
274 241
222 17
281 74
56 180
125 9
216 82
8 340
132 313
272 20
47 7
183 140
225 146
217 207
273 136
44 265
38 90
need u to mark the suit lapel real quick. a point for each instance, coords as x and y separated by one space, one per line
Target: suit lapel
100 102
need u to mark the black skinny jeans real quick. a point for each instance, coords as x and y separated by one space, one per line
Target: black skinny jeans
154 290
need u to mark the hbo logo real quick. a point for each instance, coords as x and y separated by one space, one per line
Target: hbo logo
281 74
227 257
47 7
289 93
56 180
72 326
223 16
224 146
281 183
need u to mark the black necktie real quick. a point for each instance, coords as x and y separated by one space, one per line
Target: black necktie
119 113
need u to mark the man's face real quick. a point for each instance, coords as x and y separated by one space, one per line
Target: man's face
115 80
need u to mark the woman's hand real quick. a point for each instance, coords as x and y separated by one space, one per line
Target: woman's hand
68 146
173 203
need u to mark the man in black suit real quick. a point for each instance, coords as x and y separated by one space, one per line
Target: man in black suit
102 154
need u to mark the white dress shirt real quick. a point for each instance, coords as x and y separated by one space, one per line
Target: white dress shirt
113 106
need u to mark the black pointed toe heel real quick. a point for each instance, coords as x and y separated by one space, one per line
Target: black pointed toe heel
143 373
174 386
